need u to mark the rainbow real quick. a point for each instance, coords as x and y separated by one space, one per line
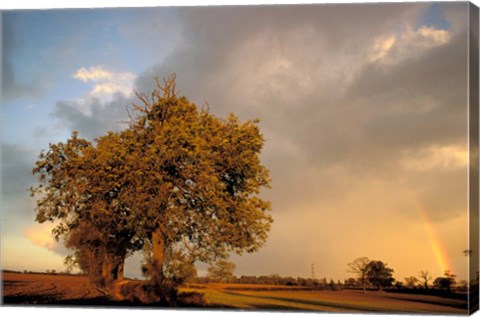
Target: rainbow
438 249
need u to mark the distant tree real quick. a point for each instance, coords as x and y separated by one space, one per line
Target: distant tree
324 283
359 267
350 282
379 274
290 281
332 285
411 282
446 282
221 271
425 276
340 285
462 286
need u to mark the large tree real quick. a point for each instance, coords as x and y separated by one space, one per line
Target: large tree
177 178
197 179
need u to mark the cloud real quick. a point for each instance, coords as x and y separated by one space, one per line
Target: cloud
437 157
353 95
103 107
394 48
106 84
93 73
41 235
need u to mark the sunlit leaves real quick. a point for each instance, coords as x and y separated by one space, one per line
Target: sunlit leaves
176 171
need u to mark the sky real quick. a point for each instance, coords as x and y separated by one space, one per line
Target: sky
363 108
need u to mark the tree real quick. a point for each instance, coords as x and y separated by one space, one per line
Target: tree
359 267
425 276
202 185
411 281
78 187
222 271
463 286
350 282
446 282
379 274
178 178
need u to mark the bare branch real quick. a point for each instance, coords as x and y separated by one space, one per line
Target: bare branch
144 100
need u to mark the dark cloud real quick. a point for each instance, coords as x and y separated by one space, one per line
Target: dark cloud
17 165
12 87
16 177
104 116
331 115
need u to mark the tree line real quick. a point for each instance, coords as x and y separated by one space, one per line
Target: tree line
369 274
372 273
178 183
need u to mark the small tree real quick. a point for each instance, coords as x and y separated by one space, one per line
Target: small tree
425 276
359 267
379 274
350 282
446 282
411 282
222 271
462 286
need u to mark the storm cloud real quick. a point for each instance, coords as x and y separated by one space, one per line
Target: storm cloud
338 88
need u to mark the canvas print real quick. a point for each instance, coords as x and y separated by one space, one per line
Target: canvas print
319 158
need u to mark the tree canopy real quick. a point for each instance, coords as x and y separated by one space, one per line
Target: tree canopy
379 274
374 272
178 180
446 282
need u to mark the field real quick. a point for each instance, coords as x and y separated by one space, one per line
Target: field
42 289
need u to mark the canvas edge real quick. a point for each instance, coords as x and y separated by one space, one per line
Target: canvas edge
473 177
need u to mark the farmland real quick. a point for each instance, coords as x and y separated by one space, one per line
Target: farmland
42 289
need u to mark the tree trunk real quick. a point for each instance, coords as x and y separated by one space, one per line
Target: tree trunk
107 271
92 270
158 243
120 268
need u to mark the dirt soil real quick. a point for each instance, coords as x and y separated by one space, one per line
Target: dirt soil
21 288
